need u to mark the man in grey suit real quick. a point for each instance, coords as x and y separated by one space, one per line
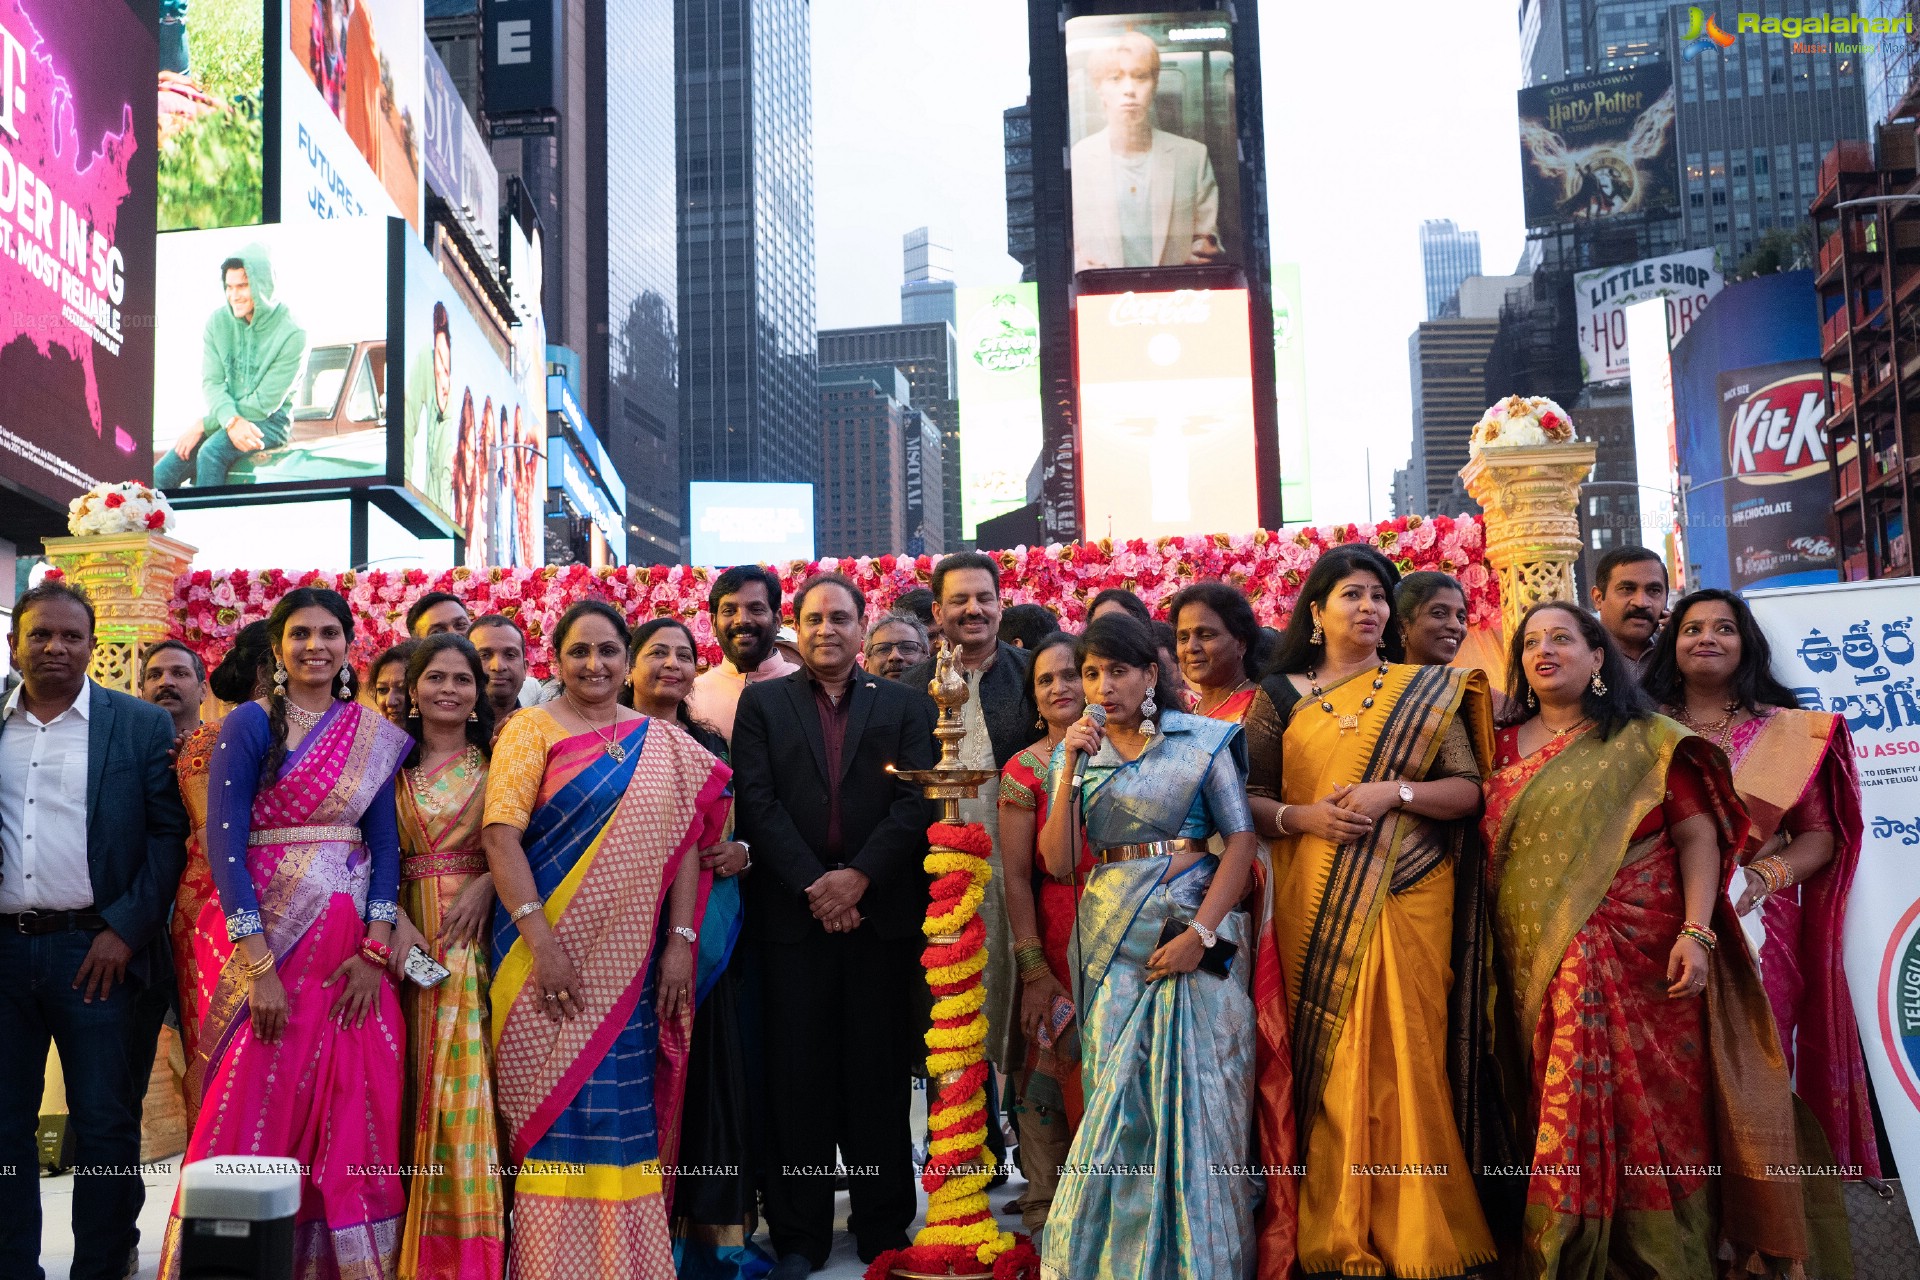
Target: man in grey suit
92 843
1141 197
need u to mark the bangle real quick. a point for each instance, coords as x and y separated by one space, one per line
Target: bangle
1031 959
1280 819
259 968
524 910
1775 873
377 954
1700 933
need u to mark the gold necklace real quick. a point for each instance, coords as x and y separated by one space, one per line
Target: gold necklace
1203 709
608 741
1350 721
1721 734
298 717
422 780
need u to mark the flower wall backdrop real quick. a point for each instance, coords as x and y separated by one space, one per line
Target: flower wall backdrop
209 605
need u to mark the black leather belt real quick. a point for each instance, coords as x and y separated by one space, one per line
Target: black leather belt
36 923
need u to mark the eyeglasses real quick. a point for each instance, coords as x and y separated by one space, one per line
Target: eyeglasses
907 648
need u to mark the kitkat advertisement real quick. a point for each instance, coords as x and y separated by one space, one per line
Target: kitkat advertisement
1779 497
76 245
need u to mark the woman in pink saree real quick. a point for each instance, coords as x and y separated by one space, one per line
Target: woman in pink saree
1713 671
304 1029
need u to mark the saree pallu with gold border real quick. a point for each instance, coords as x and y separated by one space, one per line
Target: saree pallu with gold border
591 1106
198 929
1784 764
1365 936
1635 1100
310 869
456 1215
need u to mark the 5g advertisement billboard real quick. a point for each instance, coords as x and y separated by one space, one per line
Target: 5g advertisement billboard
1166 414
77 178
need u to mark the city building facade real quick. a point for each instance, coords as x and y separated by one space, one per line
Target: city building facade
860 504
926 356
1448 255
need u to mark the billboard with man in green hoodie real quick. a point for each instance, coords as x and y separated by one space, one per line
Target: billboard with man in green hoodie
270 360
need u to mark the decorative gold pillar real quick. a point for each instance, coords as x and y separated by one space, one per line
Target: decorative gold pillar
129 577
1531 495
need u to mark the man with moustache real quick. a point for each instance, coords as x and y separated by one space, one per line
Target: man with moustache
92 842
744 607
897 642
836 900
173 678
999 716
1630 595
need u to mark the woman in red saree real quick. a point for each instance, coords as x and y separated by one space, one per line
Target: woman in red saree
1648 1072
304 1027
1713 670
595 818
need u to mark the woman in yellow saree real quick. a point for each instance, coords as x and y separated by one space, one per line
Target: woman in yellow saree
455 1227
1646 1066
595 818
1363 770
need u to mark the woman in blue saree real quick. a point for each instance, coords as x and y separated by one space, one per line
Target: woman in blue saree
594 818
1155 1181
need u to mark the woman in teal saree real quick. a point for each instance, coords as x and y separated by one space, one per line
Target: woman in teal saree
1155 1182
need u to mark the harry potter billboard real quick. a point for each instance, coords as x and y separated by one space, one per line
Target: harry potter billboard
1599 147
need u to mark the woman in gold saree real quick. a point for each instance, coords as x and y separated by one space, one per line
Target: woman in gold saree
1647 1062
595 818
1363 769
1794 771
455 1225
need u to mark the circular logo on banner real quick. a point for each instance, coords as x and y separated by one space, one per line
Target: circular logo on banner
1899 999
1777 432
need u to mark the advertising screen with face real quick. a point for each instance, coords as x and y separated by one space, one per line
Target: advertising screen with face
76 237
1780 497
212 140
1599 147
351 102
1156 172
750 523
470 445
1166 414
271 355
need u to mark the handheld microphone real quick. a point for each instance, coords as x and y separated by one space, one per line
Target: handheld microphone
1098 715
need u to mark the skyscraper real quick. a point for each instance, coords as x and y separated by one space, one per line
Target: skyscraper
1448 255
1448 361
750 409
926 292
633 354
925 356
860 505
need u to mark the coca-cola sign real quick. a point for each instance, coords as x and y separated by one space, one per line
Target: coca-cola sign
1776 432
1183 306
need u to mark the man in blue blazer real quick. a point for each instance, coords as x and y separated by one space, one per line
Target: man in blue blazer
92 844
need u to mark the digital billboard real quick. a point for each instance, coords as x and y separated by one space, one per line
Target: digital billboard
999 389
1686 281
741 523
471 445
1166 414
271 355
350 108
1648 326
76 235
212 135
1779 497
1155 153
1290 395
455 157
1600 146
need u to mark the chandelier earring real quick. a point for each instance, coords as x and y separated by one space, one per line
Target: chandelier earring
1598 685
1148 709
1532 699
346 689
1318 636
279 679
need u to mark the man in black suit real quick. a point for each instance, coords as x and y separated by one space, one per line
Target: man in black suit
835 903
92 843
1001 719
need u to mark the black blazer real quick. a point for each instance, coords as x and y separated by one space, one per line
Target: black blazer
136 824
779 781
1011 714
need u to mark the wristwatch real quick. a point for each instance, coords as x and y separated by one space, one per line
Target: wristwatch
1207 936
693 939
1406 795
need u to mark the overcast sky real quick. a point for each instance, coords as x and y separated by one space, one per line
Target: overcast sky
1374 122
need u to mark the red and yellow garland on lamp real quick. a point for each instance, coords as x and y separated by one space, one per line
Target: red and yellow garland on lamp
961 1237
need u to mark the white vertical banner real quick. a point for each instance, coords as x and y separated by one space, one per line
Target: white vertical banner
1848 648
1647 327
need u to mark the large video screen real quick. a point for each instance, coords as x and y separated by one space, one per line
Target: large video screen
471 445
271 357
212 137
1779 498
1598 147
750 523
999 389
1166 414
351 101
76 236
1156 174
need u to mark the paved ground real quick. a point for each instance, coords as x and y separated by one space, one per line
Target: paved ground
56 1206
